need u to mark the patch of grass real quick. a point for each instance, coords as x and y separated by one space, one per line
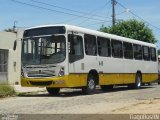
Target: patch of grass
6 90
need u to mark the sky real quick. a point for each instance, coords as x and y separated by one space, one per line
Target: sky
85 13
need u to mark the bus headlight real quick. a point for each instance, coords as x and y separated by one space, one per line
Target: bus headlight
61 72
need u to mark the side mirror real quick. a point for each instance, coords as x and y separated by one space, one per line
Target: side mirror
15 45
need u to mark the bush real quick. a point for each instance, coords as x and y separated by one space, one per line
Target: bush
6 90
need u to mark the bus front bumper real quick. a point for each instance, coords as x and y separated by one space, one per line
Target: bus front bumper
67 81
45 82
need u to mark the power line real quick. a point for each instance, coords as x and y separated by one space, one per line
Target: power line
52 10
109 9
91 13
138 16
120 13
76 11
98 23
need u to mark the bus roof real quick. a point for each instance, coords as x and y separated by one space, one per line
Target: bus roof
96 33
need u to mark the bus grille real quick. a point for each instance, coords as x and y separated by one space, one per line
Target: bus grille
44 83
40 75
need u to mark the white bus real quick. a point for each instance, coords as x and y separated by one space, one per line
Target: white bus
66 56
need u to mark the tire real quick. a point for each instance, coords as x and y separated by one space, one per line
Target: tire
138 81
106 88
91 85
53 91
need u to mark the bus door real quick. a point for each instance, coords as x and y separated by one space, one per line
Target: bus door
76 55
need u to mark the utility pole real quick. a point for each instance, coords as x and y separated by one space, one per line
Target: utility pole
113 12
14 26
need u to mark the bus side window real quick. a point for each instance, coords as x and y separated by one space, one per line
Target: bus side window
117 51
146 53
153 54
104 48
76 47
137 49
90 45
128 50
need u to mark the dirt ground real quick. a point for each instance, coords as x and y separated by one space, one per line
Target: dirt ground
120 100
151 106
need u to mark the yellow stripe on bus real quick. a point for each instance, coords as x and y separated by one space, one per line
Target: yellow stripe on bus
78 80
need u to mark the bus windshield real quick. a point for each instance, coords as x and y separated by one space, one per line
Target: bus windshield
43 50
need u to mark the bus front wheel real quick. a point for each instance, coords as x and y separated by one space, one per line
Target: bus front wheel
53 91
91 85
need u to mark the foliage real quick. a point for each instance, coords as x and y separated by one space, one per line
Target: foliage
9 30
131 29
6 90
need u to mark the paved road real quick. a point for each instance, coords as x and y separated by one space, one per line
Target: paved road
119 100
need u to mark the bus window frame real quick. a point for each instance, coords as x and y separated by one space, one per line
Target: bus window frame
95 44
136 58
107 47
121 51
124 53
148 57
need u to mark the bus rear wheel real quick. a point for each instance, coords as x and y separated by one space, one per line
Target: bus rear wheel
106 88
53 91
91 85
138 81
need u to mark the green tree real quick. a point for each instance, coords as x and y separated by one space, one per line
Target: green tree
9 30
133 29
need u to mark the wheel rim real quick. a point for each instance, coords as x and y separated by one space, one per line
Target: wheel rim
91 84
138 81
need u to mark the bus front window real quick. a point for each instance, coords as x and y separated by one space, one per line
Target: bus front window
43 50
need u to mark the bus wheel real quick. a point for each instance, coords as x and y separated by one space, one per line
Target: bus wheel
106 87
53 91
138 81
91 85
